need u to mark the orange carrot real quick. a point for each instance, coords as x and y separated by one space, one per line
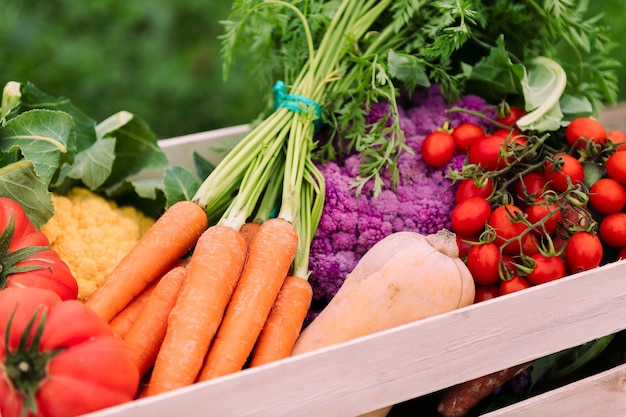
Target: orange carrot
248 230
270 256
125 319
145 337
173 234
212 274
284 322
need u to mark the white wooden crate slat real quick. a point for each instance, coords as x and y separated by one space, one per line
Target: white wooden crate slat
600 395
411 360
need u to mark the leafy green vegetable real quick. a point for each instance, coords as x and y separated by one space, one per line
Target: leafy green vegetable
44 137
47 144
179 184
543 87
565 362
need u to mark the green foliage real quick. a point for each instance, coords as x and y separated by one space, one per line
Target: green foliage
161 59
614 15
158 59
47 144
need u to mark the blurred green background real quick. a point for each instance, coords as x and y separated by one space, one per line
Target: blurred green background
158 59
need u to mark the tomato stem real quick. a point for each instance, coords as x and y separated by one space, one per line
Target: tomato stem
25 366
8 259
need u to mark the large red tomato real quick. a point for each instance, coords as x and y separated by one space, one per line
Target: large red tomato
26 259
58 358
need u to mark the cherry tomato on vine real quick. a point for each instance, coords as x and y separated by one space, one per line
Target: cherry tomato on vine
613 230
508 266
509 133
618 137
470 216
583 251
483 262
465 243
485 292
487 152
530 244
468 189
509 115
516 283
505 221
465 135
616 167
607 196
584 129
530 187
547 268
564 167
437 148
544 216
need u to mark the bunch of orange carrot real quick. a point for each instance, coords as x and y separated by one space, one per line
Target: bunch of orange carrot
195 300
231 303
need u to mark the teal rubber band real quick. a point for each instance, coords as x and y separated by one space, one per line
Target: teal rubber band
295 102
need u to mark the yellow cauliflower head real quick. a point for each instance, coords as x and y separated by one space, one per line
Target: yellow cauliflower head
92 234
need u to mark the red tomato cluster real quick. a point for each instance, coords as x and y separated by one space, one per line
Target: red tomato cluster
471 139
57 357
526 216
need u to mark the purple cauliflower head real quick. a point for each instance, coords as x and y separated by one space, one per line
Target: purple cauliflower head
421 202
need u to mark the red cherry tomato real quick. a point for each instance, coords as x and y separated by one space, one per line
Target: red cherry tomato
470 216
584 129
531 187
547 268
465 243
512 285
509 115
508 133
437 148
563 168
508 265
483 262
542 211
613 230
485 292
504 221
468 189
530 244
607 196
616 167
487 152
583 251
465 135
618 137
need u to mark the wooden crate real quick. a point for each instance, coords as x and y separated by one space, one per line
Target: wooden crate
416 359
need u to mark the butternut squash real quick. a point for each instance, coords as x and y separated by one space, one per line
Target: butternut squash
404 277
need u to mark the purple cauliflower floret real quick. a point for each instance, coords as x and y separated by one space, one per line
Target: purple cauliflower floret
421 202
